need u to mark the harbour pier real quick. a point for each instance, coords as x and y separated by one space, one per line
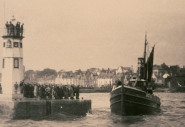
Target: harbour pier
12 103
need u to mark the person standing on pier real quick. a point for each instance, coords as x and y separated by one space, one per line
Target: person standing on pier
18 29
71 92
16 87
24 90
21 29
11 27
48 91
77 91
7 28
61 92
35 90
21 86
0 89
66 92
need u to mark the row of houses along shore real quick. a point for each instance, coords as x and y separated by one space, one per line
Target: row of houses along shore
93 77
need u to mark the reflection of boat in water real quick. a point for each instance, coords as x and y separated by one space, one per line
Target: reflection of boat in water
137 97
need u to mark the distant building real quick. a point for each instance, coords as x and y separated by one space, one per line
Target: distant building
174 69
158 74
79 78
105 78
49 80
30 76
90 79
122 69
159 71
65 78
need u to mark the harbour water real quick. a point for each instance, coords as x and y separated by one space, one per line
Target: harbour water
172 115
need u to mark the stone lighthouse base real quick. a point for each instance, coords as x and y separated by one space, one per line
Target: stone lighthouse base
33 109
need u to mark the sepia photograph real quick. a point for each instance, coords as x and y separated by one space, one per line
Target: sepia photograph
92 63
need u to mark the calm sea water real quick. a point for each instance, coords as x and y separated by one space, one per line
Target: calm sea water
172 115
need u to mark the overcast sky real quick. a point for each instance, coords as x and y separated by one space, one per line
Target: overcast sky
80 34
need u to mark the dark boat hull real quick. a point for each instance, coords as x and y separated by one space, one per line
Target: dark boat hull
133 102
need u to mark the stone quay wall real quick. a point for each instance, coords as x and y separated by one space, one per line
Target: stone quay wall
39 109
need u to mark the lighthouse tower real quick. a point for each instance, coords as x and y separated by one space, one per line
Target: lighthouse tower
12 59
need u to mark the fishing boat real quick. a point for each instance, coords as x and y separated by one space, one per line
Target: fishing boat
137 96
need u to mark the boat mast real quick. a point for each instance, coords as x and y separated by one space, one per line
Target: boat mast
145 48
144 63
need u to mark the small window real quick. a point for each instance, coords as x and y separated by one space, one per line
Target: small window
4 44
21 45
16 44
16 63
3 63
9 44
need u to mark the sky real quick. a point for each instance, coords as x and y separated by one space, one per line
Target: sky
81 34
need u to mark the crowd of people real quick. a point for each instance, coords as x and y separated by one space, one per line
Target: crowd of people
14 30
43 91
